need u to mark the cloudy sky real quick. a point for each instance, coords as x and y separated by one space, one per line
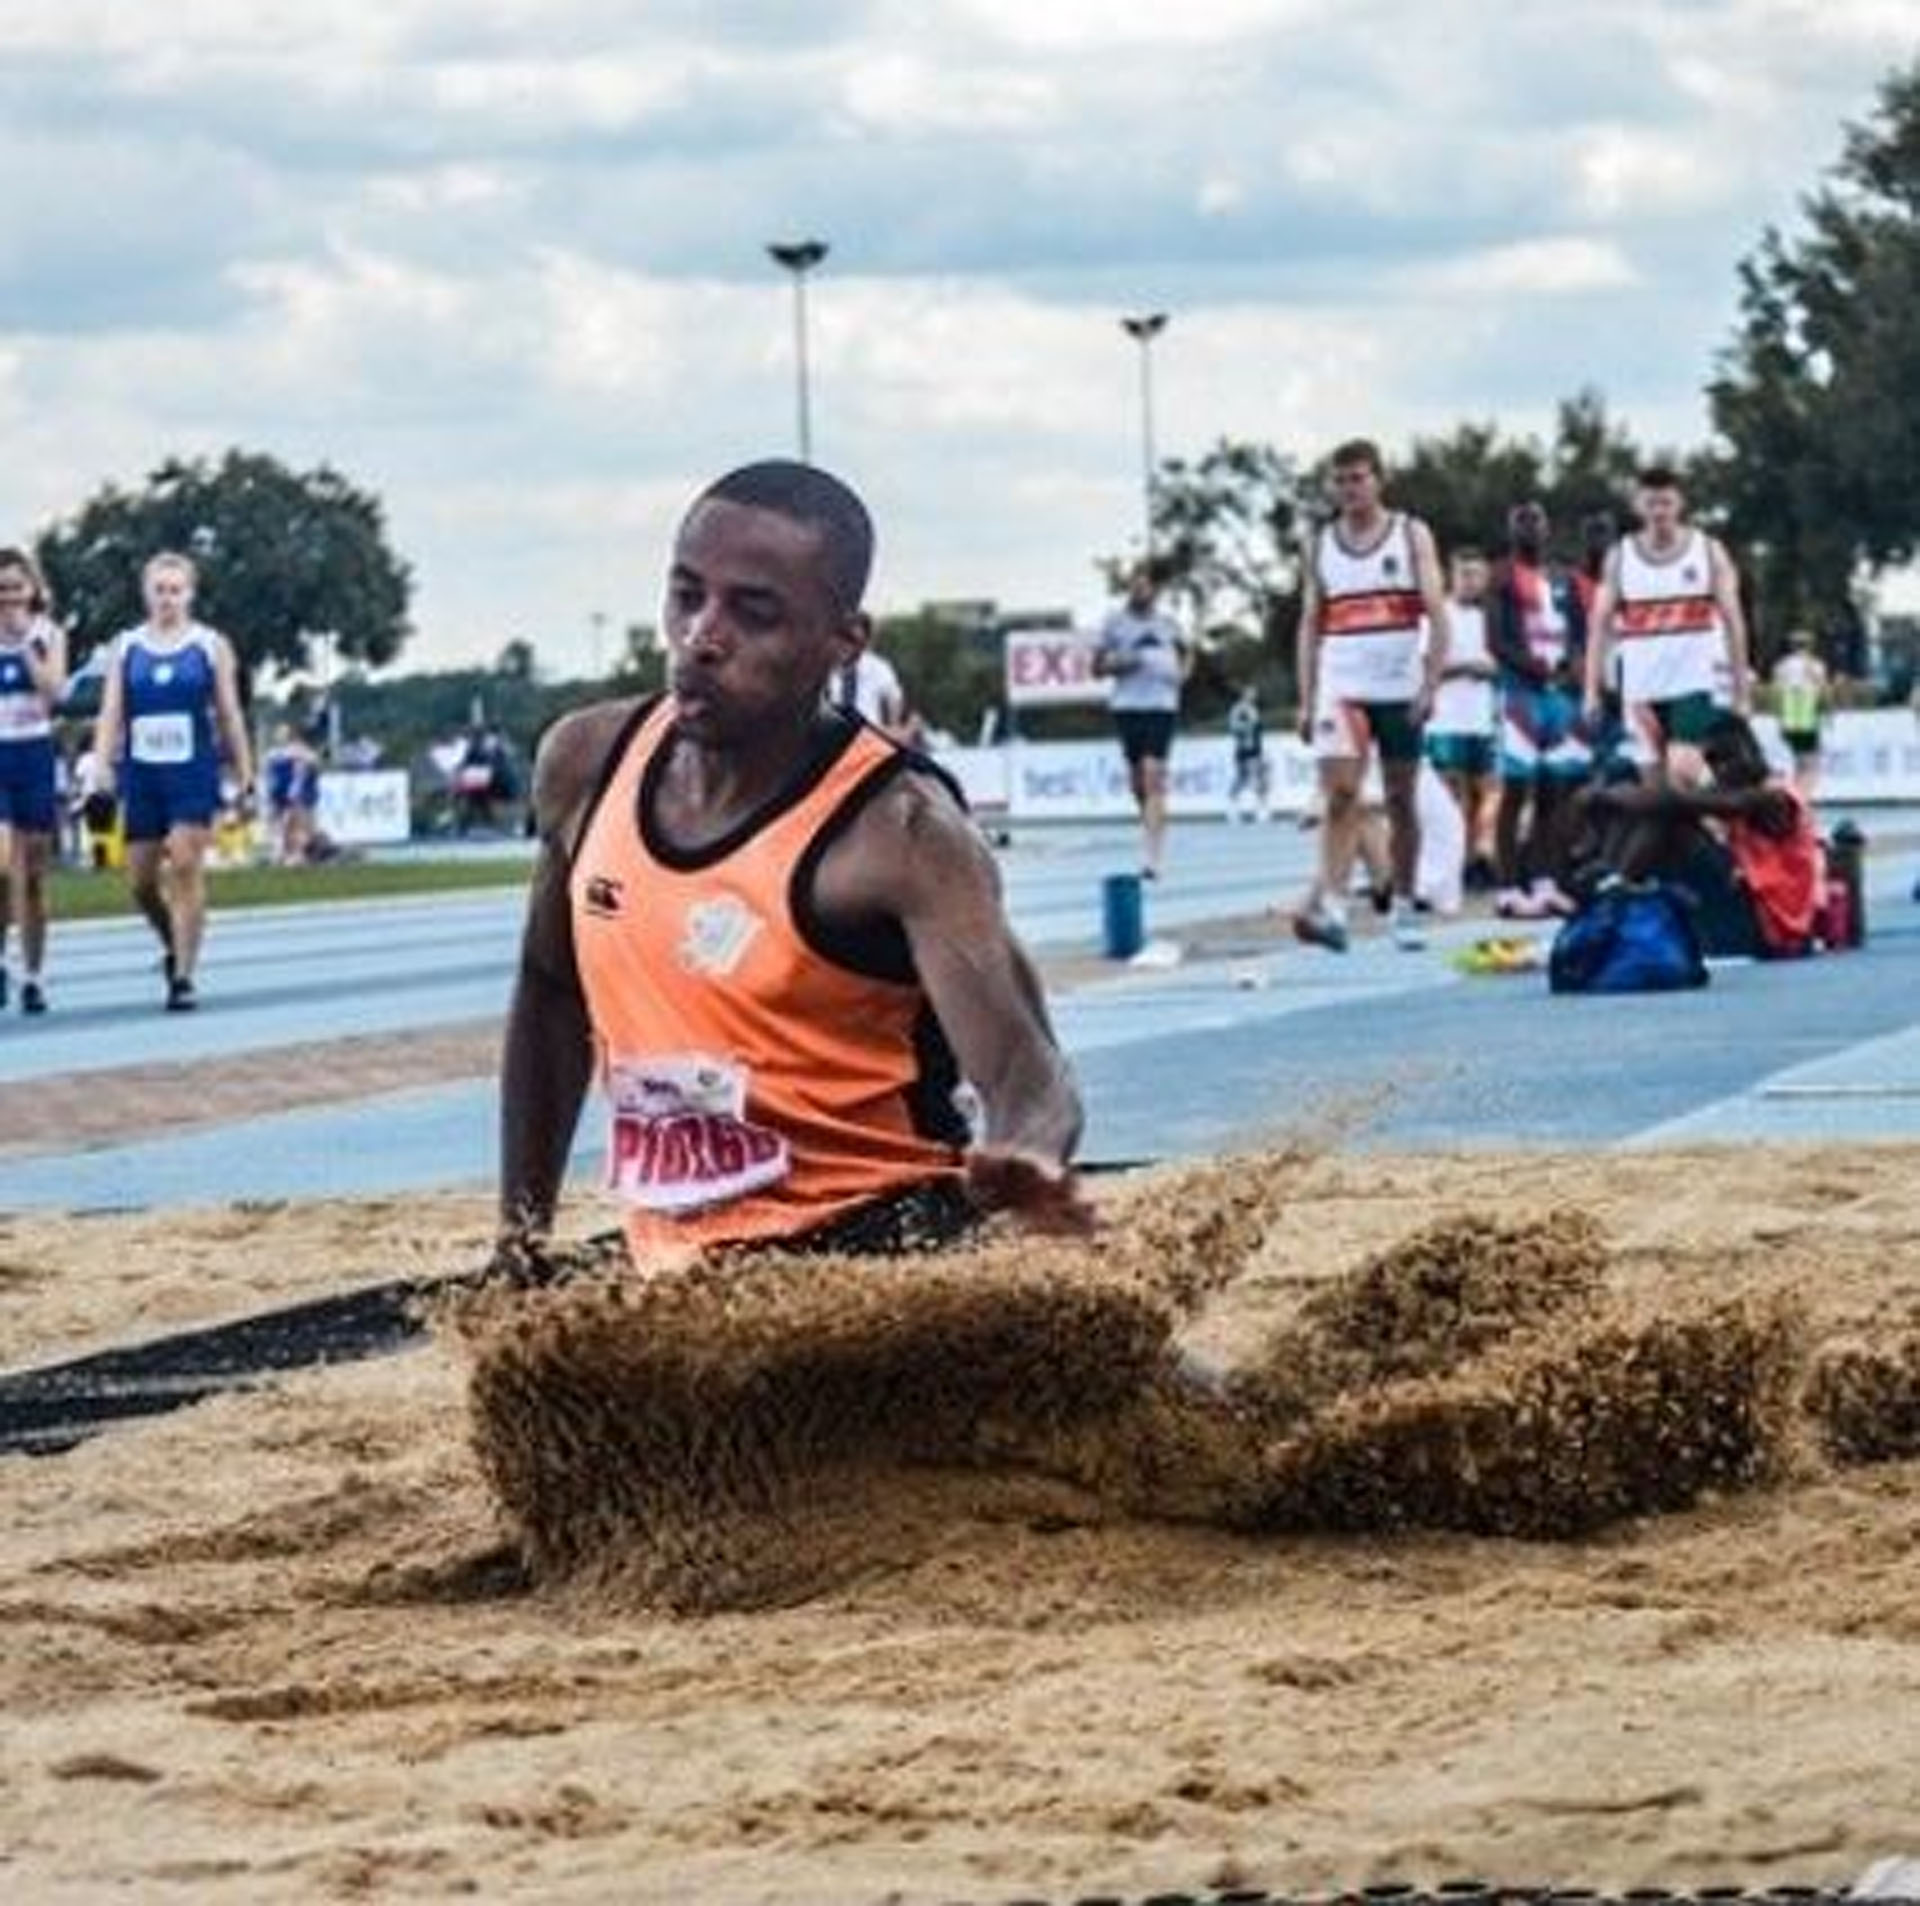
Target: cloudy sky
503 260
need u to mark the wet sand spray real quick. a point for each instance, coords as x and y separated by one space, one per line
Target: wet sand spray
754 1429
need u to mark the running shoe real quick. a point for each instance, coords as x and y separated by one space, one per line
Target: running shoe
33 1001
1550 898
181 997
1408 931
1317 927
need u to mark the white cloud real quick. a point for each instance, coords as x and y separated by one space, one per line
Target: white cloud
1550 267
903 92
501 259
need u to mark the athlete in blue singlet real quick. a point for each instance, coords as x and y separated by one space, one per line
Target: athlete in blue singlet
33 671
172 697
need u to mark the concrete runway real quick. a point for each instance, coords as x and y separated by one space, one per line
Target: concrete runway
1255 1039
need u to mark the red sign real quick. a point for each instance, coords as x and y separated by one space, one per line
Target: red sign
1051 666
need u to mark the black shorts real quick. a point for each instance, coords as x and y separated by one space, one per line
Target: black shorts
919 1218
1723 909
1146 734
1802 743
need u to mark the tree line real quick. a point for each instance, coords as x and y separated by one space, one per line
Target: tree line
1812 476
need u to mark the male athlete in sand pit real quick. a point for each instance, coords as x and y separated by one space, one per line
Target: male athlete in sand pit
771 934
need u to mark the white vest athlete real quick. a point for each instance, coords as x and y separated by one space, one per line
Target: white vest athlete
1673 641
1372 617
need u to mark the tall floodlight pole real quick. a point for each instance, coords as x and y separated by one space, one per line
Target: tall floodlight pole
1143 330
799 258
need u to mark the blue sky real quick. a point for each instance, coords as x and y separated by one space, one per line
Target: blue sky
502 260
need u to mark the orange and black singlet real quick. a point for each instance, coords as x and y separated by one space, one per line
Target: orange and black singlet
765 1073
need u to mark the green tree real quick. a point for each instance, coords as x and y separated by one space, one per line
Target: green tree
1226 538
1464 483
517 661
1817 396
952 669
284 556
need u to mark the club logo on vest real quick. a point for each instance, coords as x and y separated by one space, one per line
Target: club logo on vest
717 935
602 896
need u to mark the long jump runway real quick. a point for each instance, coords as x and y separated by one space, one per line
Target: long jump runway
1257 1038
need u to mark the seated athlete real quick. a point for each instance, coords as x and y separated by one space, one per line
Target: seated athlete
771 935
1742 840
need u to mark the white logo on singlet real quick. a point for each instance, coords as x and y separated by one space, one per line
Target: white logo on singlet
717 934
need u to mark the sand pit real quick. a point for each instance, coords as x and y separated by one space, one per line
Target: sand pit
269 1648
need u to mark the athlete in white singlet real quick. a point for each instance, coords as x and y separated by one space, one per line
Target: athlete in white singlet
1670 603
1371 651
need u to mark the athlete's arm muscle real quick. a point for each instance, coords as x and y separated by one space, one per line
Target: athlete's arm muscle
916 857
547 1058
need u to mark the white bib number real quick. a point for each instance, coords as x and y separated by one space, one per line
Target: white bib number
23 717
679 1141
162 741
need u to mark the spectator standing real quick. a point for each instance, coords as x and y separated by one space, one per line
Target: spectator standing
1372 647
1670 602
1247 730
1144 655
1537 630
1800 696
293 794
33 673
1460 733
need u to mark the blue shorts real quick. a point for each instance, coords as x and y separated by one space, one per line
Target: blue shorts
1460 754
26 785
157 800
1542 735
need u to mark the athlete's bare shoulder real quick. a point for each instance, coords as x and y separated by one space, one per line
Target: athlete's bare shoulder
573 754
915 832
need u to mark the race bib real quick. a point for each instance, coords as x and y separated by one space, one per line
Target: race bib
161 741
679 1141
23 717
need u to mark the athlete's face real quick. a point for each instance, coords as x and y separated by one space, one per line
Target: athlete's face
1356 488
168 594
1660 511
1469 578
1527 528
753 632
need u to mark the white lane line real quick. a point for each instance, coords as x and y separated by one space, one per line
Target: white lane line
1801 1101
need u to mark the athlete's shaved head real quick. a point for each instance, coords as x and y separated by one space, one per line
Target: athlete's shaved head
804 494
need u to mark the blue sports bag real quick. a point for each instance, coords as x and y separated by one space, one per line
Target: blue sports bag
1628 939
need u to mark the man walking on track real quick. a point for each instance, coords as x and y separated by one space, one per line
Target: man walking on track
1143 652
1670 601
771 934
1372 649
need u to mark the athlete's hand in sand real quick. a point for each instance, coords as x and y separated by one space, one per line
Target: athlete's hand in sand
1041 1195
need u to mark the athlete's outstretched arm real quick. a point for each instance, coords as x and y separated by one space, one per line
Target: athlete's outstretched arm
917 857
547 1061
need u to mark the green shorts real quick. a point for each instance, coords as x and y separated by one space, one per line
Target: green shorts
1685 718
1350 731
